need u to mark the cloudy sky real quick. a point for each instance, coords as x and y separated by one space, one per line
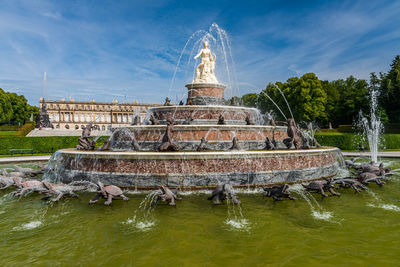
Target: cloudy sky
129 50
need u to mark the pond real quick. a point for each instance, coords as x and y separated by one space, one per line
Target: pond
354 228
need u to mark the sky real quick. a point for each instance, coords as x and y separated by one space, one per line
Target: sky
129 50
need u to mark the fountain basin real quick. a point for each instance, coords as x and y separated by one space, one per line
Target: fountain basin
201 114
193 170
188 137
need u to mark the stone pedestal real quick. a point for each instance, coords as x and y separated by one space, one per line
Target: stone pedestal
206 93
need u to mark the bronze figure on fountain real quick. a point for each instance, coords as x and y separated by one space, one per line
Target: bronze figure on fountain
85 143
168 144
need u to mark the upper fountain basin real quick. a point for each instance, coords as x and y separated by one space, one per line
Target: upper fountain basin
201 114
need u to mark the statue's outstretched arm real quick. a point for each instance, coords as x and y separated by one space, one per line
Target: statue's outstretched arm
196 56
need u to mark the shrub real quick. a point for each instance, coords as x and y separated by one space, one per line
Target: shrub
38 144
348 141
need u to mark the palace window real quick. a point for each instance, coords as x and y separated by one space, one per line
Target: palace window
88 118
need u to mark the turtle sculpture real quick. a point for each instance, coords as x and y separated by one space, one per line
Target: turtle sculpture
108 192
28 186
278 192
60 190
350 182
166 194
222 192
321 186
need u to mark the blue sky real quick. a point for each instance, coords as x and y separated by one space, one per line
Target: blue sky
128 50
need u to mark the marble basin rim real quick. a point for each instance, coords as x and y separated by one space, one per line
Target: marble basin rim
192 170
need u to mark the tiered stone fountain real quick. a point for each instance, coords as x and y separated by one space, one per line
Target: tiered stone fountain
133 159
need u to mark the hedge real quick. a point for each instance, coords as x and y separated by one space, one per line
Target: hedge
41 145
38 144
350 141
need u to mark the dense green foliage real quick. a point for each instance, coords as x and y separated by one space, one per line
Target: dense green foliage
336 102
390 90
14 109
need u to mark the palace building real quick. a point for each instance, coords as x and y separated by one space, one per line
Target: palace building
74 115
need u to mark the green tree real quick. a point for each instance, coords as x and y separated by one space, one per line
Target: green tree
250 100
305 96
333 102
390 91
19 108
5 107
353 98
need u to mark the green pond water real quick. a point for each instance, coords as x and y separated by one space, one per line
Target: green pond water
353 229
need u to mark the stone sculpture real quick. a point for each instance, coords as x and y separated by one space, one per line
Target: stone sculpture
181 103
249 121
269 145
27 171
233 101
369 177
278 192
188 121
166 194
223 192
154 120
168 143
60 190
203 145
167 102
6 182
294 135
43 119
321 186
137 120
221 120
235 144
205 70
108 192
350 182
28 186
84 142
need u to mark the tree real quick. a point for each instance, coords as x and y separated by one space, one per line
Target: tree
333 101
305 95
390 91
5 107
14 108
250 100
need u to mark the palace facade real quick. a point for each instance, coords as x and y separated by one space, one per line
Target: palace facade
71 114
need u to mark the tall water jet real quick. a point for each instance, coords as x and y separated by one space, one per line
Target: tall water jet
372 128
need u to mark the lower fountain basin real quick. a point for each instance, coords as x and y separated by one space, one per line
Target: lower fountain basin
193 170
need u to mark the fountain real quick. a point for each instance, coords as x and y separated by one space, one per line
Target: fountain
199 145
372 129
